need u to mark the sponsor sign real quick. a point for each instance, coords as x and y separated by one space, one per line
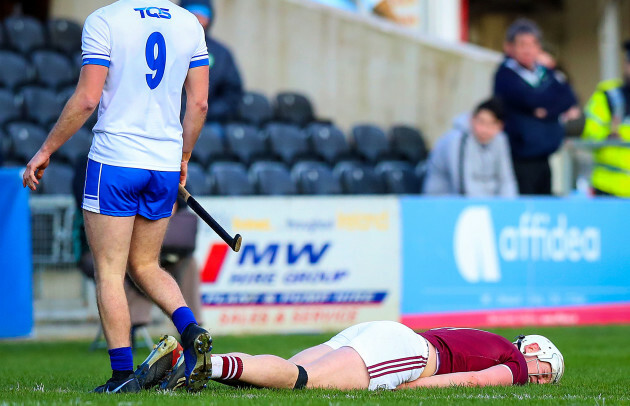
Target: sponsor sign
306 264
493 262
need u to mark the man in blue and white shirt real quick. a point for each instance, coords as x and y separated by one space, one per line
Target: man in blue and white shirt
137 55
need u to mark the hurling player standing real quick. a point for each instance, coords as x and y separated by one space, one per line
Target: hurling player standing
137 55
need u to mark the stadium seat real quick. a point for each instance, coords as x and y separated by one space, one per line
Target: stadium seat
12 164
77 147
5 147
245 142
254 108
57 179
64 94
287 141
230 179
271 178
15 70
92 120
64 35
2 36
315 178
26 138
24 33
197 183
343 166
293 108
41 105
388 166
77 63
10 107
53 69
361 180
407 142
398 177
370 142
421 173
328 142
209 146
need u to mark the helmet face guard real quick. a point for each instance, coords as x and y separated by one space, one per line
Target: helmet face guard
548 353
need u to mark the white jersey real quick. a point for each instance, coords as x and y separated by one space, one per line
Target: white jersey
148 45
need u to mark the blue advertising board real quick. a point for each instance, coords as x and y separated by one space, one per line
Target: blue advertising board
16 307
465 256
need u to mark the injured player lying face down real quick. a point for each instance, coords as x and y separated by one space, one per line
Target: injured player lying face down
376 355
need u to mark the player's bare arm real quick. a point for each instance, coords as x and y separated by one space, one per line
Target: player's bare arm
196 85
75 113
498 375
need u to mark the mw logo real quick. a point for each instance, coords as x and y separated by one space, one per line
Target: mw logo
269 253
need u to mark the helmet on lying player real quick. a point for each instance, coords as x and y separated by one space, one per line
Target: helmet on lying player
548 352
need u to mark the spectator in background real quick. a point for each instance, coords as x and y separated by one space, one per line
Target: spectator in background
226 87
473 159
608 118
536 98
382 8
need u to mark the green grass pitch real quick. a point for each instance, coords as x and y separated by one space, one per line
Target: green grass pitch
46 373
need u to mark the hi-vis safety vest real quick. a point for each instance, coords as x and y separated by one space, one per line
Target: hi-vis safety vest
607 112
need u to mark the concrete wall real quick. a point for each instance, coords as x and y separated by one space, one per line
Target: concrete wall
355 68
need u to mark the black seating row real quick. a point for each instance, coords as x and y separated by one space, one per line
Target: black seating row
306 178
245 143
25 34
288 143
36 104
45 67
22 140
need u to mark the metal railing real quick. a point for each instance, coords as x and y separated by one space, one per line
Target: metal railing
52 218
60 291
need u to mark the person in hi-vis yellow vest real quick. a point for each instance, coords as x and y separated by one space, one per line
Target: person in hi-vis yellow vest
608 118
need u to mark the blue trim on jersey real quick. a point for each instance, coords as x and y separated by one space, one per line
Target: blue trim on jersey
201 62
91 53
95 61
199 56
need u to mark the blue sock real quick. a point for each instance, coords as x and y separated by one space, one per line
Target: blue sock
121 359
182 318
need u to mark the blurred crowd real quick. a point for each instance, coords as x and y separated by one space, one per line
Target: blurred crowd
532 104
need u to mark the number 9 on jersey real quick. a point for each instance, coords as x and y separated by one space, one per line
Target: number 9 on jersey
156 59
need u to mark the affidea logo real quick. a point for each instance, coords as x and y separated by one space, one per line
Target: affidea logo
537 237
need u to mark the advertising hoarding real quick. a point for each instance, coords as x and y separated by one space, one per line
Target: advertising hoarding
306 264
515 262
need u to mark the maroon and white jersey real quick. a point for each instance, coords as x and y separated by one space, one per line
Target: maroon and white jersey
467 350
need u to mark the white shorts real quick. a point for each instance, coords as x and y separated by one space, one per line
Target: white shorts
393 353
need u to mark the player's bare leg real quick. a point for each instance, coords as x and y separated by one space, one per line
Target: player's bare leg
109 239
264 371
341 369
159 285
310 354
144 267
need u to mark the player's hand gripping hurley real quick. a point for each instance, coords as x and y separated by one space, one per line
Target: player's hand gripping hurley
233 242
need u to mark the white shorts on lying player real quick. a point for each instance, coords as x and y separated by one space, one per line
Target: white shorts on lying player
393 353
